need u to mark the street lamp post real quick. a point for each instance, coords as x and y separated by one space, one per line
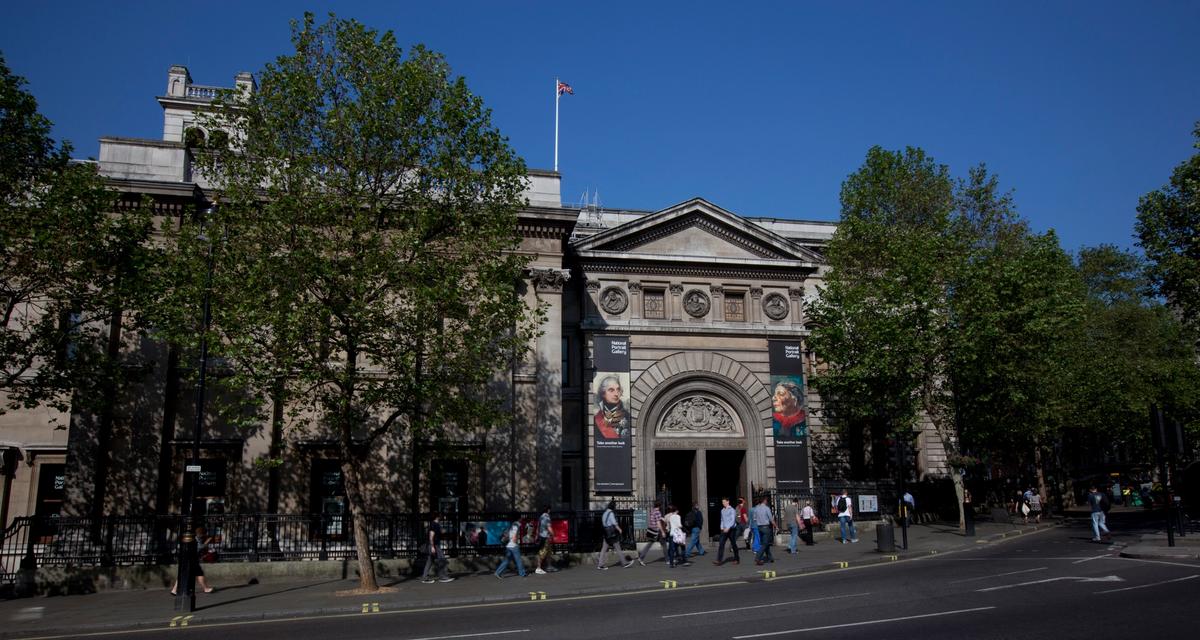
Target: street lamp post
185 588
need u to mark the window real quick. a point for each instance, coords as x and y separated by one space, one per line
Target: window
735 307
328 498
654 304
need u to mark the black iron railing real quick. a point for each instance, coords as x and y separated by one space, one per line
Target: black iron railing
149 540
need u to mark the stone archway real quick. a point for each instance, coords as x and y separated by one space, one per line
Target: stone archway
700 377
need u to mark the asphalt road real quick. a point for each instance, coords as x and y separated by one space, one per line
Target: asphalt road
1054 583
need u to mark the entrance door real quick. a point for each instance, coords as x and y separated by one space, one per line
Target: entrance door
725 473
676 469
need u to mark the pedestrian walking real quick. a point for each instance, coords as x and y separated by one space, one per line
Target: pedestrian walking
808 515
791 515
729 531
845 514
675 551
910 506
694 525
545 539
743 521
205 542
654 533
512 551
612 537
1020 507
434 555
1100 505
764 520
1035 507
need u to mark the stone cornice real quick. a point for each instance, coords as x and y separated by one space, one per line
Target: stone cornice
768 272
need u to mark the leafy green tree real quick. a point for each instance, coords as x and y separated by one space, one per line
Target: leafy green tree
1017 306
883 320
70 265
1135 353
1168 230
940 305
363 248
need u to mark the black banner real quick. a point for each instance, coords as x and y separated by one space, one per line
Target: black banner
789 416
612 425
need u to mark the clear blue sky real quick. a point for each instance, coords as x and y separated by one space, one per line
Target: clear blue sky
762 108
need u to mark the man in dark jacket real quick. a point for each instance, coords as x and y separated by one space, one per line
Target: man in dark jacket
696 522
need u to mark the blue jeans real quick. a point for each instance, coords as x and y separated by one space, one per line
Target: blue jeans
766 536
514 554
844 522
694 543
1098 523
795 530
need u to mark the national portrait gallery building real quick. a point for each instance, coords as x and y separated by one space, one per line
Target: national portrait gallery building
672 357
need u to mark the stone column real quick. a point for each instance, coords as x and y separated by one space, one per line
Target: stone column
797 296
676 312
755 314
717 295
546 400
592 312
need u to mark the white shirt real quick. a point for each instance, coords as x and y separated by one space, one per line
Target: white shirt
514 533
676 523
807 512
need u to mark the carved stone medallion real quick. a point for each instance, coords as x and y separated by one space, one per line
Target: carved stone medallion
696 303
613 300
775 306
696 414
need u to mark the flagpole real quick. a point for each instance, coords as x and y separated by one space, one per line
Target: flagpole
557 95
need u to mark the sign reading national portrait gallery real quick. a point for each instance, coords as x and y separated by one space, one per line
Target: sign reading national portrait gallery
612 425
789 417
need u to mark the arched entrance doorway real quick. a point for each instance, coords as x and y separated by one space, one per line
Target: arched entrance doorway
702 435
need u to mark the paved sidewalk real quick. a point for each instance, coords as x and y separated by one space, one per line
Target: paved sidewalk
140 608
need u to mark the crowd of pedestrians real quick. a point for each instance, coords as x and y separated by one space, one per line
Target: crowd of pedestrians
679 538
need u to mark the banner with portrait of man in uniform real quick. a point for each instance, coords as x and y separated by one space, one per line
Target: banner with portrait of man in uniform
612 424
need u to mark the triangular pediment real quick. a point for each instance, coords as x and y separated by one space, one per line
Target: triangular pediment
694 229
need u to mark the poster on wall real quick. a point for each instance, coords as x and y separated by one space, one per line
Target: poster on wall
789 416
612 425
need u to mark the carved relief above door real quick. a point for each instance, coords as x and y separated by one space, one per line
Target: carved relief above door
699 415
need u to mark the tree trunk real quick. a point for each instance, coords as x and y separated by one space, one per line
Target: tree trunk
1040 471
362 539
350 466
276 445
959 491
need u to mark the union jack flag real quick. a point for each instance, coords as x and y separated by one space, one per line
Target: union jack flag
564 88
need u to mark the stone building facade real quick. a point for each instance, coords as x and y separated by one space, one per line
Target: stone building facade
697 295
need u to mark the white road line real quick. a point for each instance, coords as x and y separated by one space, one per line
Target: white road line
1010 573
1090 559
861 624
1075 578
1154 584
475 635
1173 564
760 606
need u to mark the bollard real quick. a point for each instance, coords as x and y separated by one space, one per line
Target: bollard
885 537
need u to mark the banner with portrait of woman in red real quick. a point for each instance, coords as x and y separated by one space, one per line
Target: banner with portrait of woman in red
789 416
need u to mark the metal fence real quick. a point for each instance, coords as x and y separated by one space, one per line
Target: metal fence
149 540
